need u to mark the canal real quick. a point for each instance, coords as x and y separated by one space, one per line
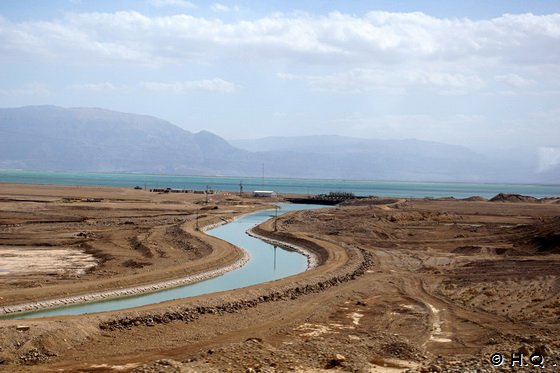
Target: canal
267 263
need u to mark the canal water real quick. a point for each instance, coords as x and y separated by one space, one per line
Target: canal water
267 263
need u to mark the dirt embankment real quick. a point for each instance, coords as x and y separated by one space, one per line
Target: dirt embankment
355 267
418 285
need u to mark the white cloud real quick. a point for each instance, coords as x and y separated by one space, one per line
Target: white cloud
364 80
31 89
514 80
374 39
209 85
95 87
172 3
221 8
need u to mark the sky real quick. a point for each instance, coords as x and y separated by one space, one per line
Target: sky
483 74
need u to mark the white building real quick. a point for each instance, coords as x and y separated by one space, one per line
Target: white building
265 193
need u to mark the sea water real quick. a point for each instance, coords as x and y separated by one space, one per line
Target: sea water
280 185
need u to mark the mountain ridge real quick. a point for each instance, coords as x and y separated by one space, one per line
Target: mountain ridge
99 140
94 139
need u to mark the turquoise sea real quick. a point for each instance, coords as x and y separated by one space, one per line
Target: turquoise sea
280 185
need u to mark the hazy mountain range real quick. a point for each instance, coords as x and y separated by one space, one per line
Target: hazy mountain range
88 139
98 140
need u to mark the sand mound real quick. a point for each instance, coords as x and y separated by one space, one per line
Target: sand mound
474 198
504 197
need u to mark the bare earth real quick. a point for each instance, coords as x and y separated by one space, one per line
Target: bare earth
419 285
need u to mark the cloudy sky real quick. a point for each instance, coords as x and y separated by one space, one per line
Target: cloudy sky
479 73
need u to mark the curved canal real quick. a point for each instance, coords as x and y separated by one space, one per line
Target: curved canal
266 263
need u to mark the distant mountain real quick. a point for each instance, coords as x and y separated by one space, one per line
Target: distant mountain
354 158
89 139
98 140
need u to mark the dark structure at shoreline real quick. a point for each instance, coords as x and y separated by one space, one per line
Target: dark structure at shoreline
331 199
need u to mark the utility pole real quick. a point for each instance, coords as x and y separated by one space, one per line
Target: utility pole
207 187
196 226
275 218
240 188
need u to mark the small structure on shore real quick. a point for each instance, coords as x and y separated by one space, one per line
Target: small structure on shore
331 199
265 193
172 190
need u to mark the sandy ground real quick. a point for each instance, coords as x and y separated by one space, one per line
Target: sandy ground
417 285
44 260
